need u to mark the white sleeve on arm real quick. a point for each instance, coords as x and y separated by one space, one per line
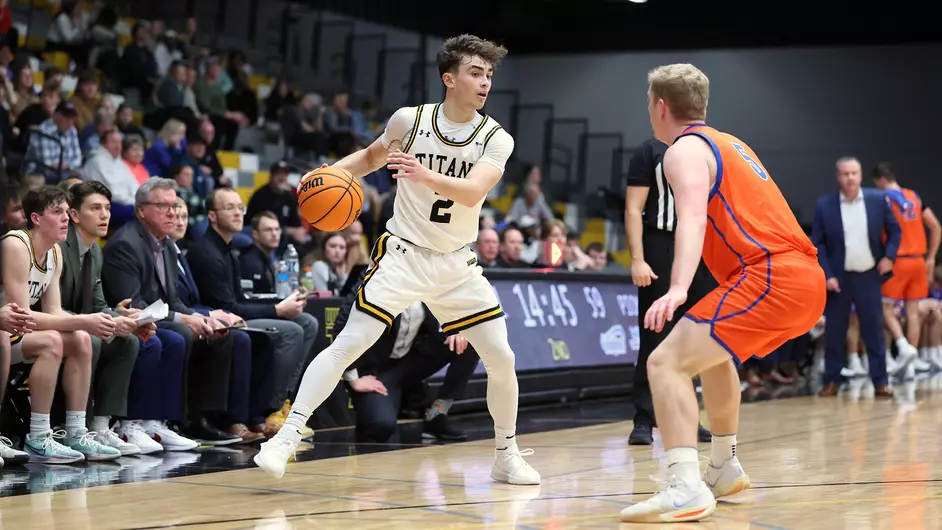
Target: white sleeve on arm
498 149
398 128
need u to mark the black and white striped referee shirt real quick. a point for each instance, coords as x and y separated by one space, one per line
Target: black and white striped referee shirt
646 170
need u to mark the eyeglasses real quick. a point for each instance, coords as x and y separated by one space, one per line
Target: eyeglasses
232 207
163 207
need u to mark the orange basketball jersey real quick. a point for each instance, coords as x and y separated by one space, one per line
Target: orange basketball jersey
749 219
907 206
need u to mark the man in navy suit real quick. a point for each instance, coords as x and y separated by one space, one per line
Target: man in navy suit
848 230
245 417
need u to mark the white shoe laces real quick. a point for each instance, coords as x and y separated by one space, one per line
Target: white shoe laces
51 439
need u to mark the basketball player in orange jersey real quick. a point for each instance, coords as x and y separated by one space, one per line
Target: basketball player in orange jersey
914 267
771 290
446 157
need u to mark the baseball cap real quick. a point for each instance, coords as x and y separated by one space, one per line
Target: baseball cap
66 108
281 165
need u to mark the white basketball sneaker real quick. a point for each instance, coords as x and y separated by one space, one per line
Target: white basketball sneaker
728 479
274 454
510 467
676 503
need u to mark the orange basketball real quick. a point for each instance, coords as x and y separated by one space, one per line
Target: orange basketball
330 198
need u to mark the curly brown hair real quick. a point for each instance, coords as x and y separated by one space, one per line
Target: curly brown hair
466 46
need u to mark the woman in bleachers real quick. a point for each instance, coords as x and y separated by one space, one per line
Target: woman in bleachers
132 151
68 32
23 94
281 98
168 146
330 267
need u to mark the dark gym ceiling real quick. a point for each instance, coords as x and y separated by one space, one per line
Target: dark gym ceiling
578 26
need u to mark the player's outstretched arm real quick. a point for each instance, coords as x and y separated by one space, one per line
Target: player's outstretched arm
688 169
469 191
16 263
398 129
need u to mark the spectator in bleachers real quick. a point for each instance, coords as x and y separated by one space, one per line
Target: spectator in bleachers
106 165
169 99
241 405
54 148
138 64
365 127
81 294
6 126
279 101
139 261
338 124
358 253
103 41
124 121
190 38
329 265
240 97
212 101
277 197
487 247
182 175
167 48
218 277
192 155
9 35
600 261
169 145
13 216
55 75
6 59
132 152
210 164
68 32
34 115
85 99
413 350
532 203
189 93
303 126
511 247
90 136
257 261
31 270
23 94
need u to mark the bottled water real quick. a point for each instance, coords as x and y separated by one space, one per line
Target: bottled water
282 283
294 268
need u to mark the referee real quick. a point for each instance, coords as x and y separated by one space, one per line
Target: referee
650 220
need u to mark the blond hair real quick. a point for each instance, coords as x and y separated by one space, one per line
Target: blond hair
684 88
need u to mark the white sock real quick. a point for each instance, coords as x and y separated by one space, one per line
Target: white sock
296 420
902 344
684 463
505 440
74 422
38 424
101 423
722 448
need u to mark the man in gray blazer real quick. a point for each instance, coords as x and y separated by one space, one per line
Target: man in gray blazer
80 288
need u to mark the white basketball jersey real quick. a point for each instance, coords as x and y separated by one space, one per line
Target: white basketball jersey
421 216
39 276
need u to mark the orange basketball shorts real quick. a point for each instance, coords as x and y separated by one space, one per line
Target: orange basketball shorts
767 304
909 281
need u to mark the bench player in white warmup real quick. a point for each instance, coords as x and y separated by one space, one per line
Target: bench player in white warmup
448 157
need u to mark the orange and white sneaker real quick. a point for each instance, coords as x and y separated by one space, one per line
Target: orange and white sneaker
728 479
676 503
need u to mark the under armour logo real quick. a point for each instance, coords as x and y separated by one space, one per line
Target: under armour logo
478 144
427 134
400 248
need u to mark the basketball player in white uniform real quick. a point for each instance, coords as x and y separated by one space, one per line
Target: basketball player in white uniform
447 158
31 269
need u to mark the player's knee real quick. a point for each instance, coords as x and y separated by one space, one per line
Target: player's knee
49 345
77 345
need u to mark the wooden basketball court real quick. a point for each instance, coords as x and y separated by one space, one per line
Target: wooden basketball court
849 462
